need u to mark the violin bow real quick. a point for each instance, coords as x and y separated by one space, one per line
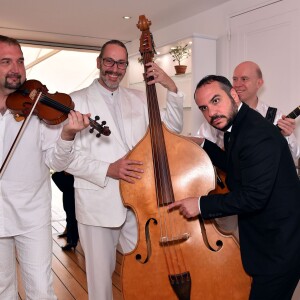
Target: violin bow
18 137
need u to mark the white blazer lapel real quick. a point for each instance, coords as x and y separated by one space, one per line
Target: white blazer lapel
100 106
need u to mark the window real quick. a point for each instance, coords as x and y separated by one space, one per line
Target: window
61 70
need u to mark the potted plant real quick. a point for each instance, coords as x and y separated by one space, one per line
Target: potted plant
179 53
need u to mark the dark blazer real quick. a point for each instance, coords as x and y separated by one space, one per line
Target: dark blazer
264 193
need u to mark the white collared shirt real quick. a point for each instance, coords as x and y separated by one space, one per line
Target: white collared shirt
25 187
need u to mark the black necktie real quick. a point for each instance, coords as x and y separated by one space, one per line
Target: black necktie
226 140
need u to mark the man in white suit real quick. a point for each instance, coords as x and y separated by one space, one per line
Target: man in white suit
99 164
25 194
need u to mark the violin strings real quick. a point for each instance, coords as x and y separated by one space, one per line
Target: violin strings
65 109
55 104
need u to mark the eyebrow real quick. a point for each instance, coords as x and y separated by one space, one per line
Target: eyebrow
9 58
210 101
214 97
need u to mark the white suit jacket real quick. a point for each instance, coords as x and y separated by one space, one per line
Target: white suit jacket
98 200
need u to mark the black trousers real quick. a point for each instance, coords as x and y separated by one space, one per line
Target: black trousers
275 287
65 182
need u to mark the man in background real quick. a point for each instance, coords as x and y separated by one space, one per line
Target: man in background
65 183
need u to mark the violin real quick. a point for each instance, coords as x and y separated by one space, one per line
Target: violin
53 109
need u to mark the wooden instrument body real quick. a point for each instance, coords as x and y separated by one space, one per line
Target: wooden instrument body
214 274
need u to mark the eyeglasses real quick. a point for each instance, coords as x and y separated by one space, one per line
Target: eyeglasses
109 62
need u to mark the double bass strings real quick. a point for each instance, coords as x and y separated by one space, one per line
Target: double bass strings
170 237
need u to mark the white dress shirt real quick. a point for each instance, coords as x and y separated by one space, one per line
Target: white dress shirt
25 187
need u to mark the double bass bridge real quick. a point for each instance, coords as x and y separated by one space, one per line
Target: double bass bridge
166 240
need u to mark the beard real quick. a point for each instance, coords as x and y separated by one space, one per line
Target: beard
107 82
15 84
230 118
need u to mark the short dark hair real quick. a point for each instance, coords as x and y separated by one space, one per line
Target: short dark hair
9 41
224 83
113 42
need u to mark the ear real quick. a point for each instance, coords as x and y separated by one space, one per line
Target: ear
235 96
98 62
260 82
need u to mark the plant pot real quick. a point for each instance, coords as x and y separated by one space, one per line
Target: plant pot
180 69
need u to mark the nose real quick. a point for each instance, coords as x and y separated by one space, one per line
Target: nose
15 67
211 112
115 67
208 114
237 82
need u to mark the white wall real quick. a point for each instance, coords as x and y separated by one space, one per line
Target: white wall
216 24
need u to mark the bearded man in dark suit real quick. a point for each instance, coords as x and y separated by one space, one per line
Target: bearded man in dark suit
264 190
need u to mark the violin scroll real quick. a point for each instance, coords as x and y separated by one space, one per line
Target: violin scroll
101 128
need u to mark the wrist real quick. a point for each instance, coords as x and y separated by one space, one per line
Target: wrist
67 136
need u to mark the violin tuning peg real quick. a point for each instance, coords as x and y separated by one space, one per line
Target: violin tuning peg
97 118
103 122
106 131
98 135
91 130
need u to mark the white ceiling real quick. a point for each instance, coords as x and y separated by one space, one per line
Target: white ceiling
91 22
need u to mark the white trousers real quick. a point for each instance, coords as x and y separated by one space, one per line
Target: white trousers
34 252
99 245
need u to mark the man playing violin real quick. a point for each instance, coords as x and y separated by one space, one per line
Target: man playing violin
103 221
25 189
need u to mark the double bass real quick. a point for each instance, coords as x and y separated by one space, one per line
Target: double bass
175 258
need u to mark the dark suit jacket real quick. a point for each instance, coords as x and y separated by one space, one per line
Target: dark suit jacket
265 193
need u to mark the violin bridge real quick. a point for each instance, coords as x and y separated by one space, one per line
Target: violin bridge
165 240
18 118
33 94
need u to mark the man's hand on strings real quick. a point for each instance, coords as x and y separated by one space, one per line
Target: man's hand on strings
188 207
